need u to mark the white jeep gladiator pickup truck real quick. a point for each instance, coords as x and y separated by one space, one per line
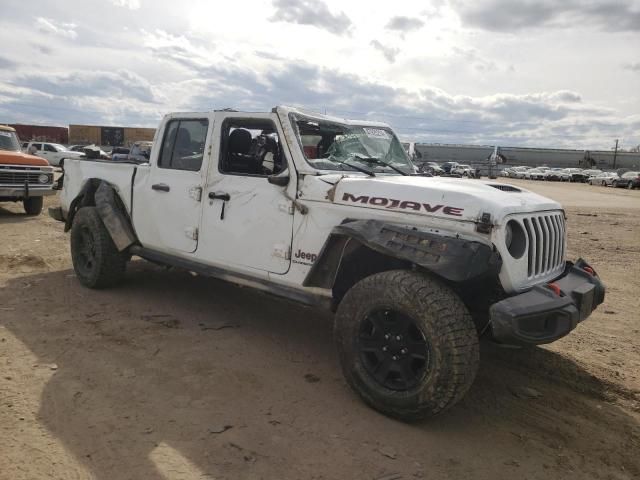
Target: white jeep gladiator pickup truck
327 212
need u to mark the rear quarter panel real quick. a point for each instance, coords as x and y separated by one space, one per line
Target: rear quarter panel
78 172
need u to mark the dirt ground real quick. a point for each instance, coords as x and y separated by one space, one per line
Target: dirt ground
172 376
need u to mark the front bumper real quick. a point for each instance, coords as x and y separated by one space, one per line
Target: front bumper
548 312
21 192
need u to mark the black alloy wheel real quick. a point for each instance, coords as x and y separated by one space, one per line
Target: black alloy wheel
393 349
86 253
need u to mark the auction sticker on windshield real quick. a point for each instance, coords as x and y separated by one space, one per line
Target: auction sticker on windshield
5 134
376 132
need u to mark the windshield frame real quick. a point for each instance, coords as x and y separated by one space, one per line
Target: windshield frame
379 169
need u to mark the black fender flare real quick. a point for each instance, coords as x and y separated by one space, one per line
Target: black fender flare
452 258
104 196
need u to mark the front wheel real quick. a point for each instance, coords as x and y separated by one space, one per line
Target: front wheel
96 260
407 344
33 205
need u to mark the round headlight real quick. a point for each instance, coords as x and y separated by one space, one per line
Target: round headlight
508 235
43 178
515 239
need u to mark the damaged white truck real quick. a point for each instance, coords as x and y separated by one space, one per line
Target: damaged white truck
328 212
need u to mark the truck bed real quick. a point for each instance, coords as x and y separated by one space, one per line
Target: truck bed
78 172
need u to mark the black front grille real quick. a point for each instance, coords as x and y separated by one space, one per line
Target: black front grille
19 178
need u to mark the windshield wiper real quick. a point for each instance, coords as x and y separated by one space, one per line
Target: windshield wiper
379 161
355 167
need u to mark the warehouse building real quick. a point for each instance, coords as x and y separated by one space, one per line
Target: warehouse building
109 136
42 133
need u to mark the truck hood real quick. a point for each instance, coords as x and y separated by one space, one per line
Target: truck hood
453 198
19 158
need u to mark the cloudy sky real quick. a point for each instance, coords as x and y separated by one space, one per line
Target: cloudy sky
530 73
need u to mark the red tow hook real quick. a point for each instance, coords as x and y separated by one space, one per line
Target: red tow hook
589 270
555 288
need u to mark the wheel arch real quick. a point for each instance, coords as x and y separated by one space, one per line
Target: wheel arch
111 208
357 249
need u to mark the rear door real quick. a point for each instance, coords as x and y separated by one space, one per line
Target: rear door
168 193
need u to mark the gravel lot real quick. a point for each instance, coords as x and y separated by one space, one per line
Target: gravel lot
172 376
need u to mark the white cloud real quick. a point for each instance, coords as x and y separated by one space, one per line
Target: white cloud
130 4
66 30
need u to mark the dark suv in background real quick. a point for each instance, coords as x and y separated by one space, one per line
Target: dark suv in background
628 180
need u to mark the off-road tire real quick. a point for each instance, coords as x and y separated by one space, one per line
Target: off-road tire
89 237
444 321
33 205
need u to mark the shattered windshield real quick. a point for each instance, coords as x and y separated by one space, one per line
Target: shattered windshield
336 146
9 141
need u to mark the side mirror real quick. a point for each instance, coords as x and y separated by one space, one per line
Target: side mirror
280 181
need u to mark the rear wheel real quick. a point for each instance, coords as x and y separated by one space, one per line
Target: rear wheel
33 205
604 184
630 186
407 344
96 260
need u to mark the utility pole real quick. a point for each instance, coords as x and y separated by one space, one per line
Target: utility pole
615 154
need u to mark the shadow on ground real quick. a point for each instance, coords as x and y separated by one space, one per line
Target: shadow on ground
176 376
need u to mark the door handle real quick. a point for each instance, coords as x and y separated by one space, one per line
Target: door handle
162 187
219 196
225 197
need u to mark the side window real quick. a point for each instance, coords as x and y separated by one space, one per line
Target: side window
251 147
49 148
183 144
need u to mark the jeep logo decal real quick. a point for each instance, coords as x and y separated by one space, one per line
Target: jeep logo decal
403 204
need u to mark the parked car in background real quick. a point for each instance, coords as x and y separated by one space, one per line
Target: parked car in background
430 167
518 172
449 166
464 170
139 153
54 153
534 174
576 175
627 180
635 182
591 172
603 178
558 175
23 178
92 151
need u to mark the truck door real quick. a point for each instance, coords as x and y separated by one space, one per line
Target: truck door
247 220
49 152
167 195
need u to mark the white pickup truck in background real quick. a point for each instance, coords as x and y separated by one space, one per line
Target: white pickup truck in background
54 153
327 212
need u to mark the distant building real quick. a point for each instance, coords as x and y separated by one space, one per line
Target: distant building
43 133
108 136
